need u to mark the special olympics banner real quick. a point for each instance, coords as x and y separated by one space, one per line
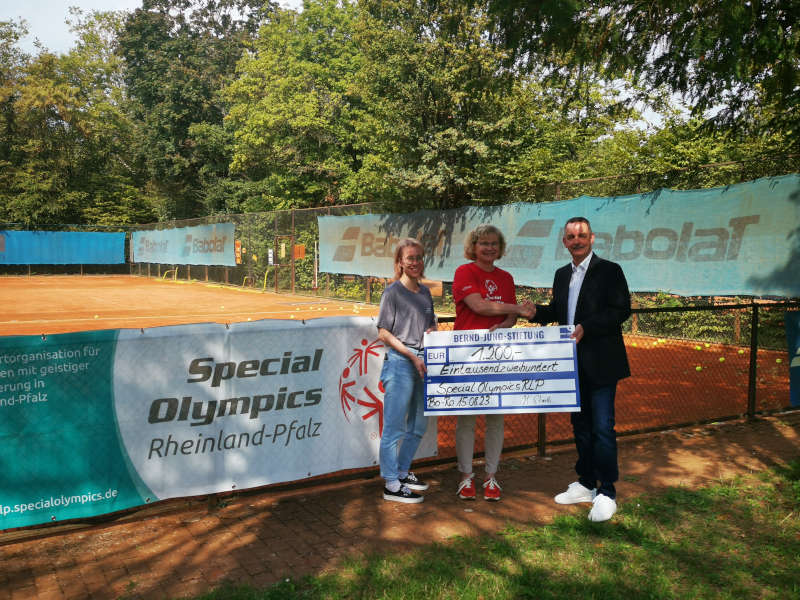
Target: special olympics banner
96 422
738 239
61 248
792 321
199 245
526 370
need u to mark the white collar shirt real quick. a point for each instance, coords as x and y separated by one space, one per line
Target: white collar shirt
575 283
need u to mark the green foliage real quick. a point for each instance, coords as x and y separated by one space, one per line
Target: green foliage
185 108
66 134
435 88
410 105
734 539
730 56
771 328
292 113
722 325
705 325
178 54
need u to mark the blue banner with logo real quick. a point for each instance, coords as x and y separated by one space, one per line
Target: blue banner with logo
97 422
738 239
61 248
792 320
199 245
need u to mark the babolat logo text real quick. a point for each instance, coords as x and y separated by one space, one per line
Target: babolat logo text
524 255
203 246
369 244
346 252
690 244
148 246
383 246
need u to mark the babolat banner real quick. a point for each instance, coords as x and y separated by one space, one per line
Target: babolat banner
61 248
200 245
739 239
96 422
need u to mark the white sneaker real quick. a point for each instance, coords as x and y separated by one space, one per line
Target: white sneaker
603 508
576 493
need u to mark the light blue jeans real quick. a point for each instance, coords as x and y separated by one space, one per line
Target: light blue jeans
404 423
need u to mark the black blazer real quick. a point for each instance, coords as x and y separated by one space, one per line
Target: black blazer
604 303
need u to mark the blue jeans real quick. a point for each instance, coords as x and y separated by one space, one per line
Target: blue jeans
595 438
404 423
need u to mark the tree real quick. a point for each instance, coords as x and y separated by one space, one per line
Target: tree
562 138
12 67
409 104
726 56
293 110
434 88
67 135
178 54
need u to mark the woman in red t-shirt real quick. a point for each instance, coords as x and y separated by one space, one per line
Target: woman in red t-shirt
485 298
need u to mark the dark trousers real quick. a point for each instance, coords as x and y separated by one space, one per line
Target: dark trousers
595 438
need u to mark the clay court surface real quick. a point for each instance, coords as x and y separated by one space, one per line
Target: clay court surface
667 387
60 304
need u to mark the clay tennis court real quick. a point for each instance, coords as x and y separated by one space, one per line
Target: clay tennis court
65 303
666 389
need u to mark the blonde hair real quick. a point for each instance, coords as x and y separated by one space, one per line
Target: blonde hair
479 232
398 255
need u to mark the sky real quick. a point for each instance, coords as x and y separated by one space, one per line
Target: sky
46 18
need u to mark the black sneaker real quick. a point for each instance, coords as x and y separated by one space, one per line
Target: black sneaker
402 495
413 483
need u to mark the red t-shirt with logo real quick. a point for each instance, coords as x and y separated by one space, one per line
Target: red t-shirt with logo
496 285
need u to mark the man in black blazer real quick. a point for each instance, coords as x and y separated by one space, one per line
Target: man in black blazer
591 293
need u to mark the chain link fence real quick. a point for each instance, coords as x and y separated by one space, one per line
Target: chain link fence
690 365
693 360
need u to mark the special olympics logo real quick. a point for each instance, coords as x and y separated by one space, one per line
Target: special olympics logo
491 286
354 385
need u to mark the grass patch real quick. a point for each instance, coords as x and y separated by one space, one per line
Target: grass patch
736 539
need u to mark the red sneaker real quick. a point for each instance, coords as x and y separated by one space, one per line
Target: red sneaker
491 489
466 489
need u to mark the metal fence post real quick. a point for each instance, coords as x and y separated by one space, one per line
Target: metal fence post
751 388
541 441
292 255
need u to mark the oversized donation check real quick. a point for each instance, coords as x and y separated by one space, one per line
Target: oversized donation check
525 370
